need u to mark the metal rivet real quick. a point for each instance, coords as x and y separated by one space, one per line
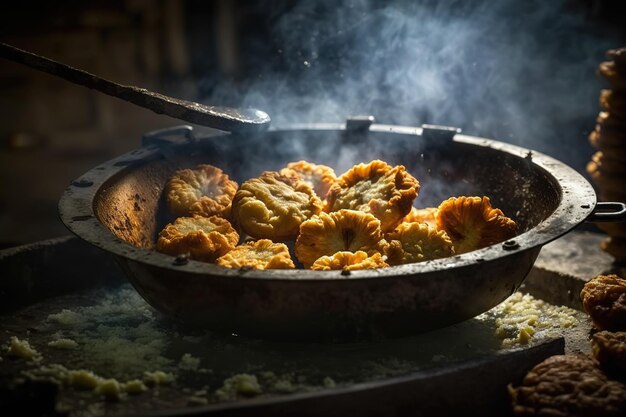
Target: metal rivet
510 245
181 259
82 183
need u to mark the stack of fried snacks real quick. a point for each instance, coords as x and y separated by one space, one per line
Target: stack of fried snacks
608 165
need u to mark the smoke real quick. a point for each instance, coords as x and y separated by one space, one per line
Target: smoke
518 71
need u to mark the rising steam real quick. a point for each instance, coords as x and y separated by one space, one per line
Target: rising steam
518 71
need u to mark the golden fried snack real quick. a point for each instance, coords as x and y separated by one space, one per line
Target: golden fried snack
617 79
609 348
610 162
568 385
614 102
611 139
319 177
610 122
423 215
604 299
343 230
417 242
348 261
204 239
205 190
472 223
385 191
619 57
274 205
262 254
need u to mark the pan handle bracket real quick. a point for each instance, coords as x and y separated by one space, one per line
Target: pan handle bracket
169 136
359 123
357 128
608 212
437 135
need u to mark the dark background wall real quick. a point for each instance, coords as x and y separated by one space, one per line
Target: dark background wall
519 71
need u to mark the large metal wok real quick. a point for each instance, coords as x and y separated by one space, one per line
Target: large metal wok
118 206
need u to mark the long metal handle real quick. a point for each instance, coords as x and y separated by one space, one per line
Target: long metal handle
222 118
608 212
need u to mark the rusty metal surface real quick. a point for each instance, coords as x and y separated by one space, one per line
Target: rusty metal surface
117 206
417 387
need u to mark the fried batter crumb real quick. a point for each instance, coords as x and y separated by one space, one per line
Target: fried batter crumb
205 191
274 205
204 239
472 223
378 188
609 348
417 242
616 78
319 177
348 261
604 299
343 230
262 254
423 215
568 385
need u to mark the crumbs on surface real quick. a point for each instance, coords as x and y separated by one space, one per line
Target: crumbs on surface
63 343
189 363
116 335
66 318
157 378
109 388
22 349
239 385
329 382
522 318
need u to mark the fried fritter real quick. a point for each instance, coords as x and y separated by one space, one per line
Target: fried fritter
472 223
611 122
205 190
348 261
417 242
604 299
274 205
568 386
319 177
609 348
609 71
204 239
614 102
385 191
423 215
607 137
262 254
611 163
343 230
619 57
